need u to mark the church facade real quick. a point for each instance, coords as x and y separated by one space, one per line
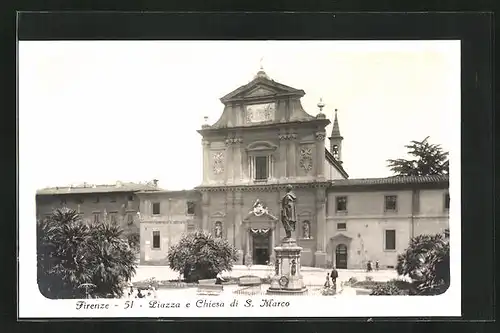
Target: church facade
263 141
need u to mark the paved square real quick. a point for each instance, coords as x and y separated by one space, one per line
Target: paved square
314 279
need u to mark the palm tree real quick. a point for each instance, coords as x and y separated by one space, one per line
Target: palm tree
72 253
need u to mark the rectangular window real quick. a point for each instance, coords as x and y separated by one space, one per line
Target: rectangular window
97 217
390 239
96 199
156 239
391 203
341 226
261 168
190 207
156 208
112 199
63 201
341 204
130 197
130 219
112 217
447 201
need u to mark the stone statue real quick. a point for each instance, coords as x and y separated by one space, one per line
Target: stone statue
277 266
306 229
218 230
288 215
294 267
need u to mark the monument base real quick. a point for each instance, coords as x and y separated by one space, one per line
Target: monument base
287 279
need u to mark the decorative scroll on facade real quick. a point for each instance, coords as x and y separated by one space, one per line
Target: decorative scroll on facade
260 231
258 113
306 161
259 209
218 163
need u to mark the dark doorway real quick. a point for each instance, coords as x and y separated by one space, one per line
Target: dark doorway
341 256
260 249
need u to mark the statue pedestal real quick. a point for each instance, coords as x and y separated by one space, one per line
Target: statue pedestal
287 279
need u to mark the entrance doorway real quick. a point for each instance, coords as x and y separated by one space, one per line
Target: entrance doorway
261 248
341 256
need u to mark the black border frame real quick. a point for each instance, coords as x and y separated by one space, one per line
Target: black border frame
473 29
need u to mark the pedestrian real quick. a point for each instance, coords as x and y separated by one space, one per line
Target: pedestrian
369 266
139 294
376 265
334 275
327 282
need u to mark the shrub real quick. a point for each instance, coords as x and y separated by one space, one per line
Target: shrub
328 292
198 255
427 262
72 254
352 280
388 288
369 278
133 240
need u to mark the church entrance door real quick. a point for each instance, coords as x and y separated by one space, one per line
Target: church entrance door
341 256
261 245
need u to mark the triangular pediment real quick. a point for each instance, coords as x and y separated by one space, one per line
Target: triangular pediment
340 237
260 91
261 87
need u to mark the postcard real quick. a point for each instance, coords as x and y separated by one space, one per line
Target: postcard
239 179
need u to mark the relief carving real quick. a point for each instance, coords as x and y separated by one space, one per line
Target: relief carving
218 163
287 136
320 136
229 141
260 112
306 160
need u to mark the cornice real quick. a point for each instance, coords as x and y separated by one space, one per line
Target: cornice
262 188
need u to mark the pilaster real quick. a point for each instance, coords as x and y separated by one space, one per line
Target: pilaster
205 204
206 152
238 161
320 154
320 254
283 146
229 167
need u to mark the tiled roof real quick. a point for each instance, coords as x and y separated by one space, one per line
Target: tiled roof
106 188
397 180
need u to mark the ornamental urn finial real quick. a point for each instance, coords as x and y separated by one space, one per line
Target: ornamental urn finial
205 122
321 105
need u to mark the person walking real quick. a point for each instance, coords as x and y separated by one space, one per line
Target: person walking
334 275
377 265
327 282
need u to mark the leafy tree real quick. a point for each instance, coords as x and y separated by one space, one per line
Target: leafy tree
198 255
133 239
427 262
72 253
429 159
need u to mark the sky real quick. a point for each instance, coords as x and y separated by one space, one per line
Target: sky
102 111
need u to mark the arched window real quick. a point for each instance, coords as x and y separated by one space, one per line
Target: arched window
335 152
